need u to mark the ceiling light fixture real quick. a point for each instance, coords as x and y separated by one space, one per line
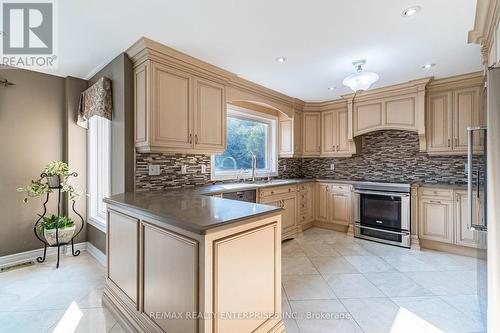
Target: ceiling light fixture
361 80
332 88
281 60
428 66
410 11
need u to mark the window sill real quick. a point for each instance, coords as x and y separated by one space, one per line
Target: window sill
98 223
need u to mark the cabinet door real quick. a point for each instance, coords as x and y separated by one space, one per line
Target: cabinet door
342 132
285 137
439 119
436 220
210 116
463 235
122 250
297 132
466 113
322 199
171 113
310 202
311 134
289 215
328 132
339 207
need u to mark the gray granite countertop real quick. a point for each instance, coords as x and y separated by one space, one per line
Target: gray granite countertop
189 210
231 187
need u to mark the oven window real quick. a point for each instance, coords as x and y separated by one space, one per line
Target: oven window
381 211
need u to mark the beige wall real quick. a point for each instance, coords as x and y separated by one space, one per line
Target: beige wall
120 71
32 133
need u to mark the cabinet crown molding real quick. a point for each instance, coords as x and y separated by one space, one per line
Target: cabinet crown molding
487 18
457 81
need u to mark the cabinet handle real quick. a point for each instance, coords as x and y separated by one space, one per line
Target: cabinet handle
433 201
190 138
196 139
449 142
333 148
337 147
456 141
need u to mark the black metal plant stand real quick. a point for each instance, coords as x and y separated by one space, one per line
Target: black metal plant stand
39 231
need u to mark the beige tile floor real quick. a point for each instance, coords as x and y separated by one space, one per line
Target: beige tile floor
41 298
331 283
336 283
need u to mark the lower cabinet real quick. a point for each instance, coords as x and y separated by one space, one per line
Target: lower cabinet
443 217
436 218
305 193
333 203
286 198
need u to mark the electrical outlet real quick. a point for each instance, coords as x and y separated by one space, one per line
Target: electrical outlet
332 166
154 170
203 168
284 167
184 169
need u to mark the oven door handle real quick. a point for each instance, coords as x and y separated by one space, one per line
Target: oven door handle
383 193
404 233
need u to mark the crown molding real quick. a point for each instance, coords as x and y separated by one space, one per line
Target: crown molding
457 81
487 18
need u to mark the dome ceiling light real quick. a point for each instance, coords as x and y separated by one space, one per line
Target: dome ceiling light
361 80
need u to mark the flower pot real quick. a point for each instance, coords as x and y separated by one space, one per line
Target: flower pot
54 181
64 235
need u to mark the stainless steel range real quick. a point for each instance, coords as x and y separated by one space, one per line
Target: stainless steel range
382 212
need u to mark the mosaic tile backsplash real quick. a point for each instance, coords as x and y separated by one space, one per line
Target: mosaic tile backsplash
393 156
384 155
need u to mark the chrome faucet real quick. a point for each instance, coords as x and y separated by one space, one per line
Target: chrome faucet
254 166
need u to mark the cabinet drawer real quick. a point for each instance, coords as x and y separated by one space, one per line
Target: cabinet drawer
343 188
436 193
303 206
304 187
267 192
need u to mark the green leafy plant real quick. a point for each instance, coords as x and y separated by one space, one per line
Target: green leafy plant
53 221
40 186
57 168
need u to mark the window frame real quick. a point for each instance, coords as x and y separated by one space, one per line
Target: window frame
98 170
271 146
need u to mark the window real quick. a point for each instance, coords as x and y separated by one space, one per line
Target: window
98 159
248 133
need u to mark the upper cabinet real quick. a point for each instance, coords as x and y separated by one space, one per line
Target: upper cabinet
177 111
311 141
451 109
180 101
290 135
334 133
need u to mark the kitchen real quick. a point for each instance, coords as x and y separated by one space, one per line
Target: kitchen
360 207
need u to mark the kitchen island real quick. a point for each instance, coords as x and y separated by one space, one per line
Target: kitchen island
180 261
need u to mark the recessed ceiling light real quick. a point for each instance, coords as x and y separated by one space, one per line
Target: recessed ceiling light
410 11
281 59
427 66
332 88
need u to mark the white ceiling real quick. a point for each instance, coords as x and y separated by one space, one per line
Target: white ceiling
319 38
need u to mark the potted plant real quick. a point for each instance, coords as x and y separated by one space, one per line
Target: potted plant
55 175
57 229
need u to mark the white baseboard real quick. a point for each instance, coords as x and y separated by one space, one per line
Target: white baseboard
18 258
22 257
96 253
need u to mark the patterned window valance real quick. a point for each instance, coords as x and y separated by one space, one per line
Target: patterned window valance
96 101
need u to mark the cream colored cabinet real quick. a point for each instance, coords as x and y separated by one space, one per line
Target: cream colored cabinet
322 202
305 195
297 129
286 198
285 131
448 115
209 116
311 134
463 235
436 220
340 204
333 203
334 133
176 111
